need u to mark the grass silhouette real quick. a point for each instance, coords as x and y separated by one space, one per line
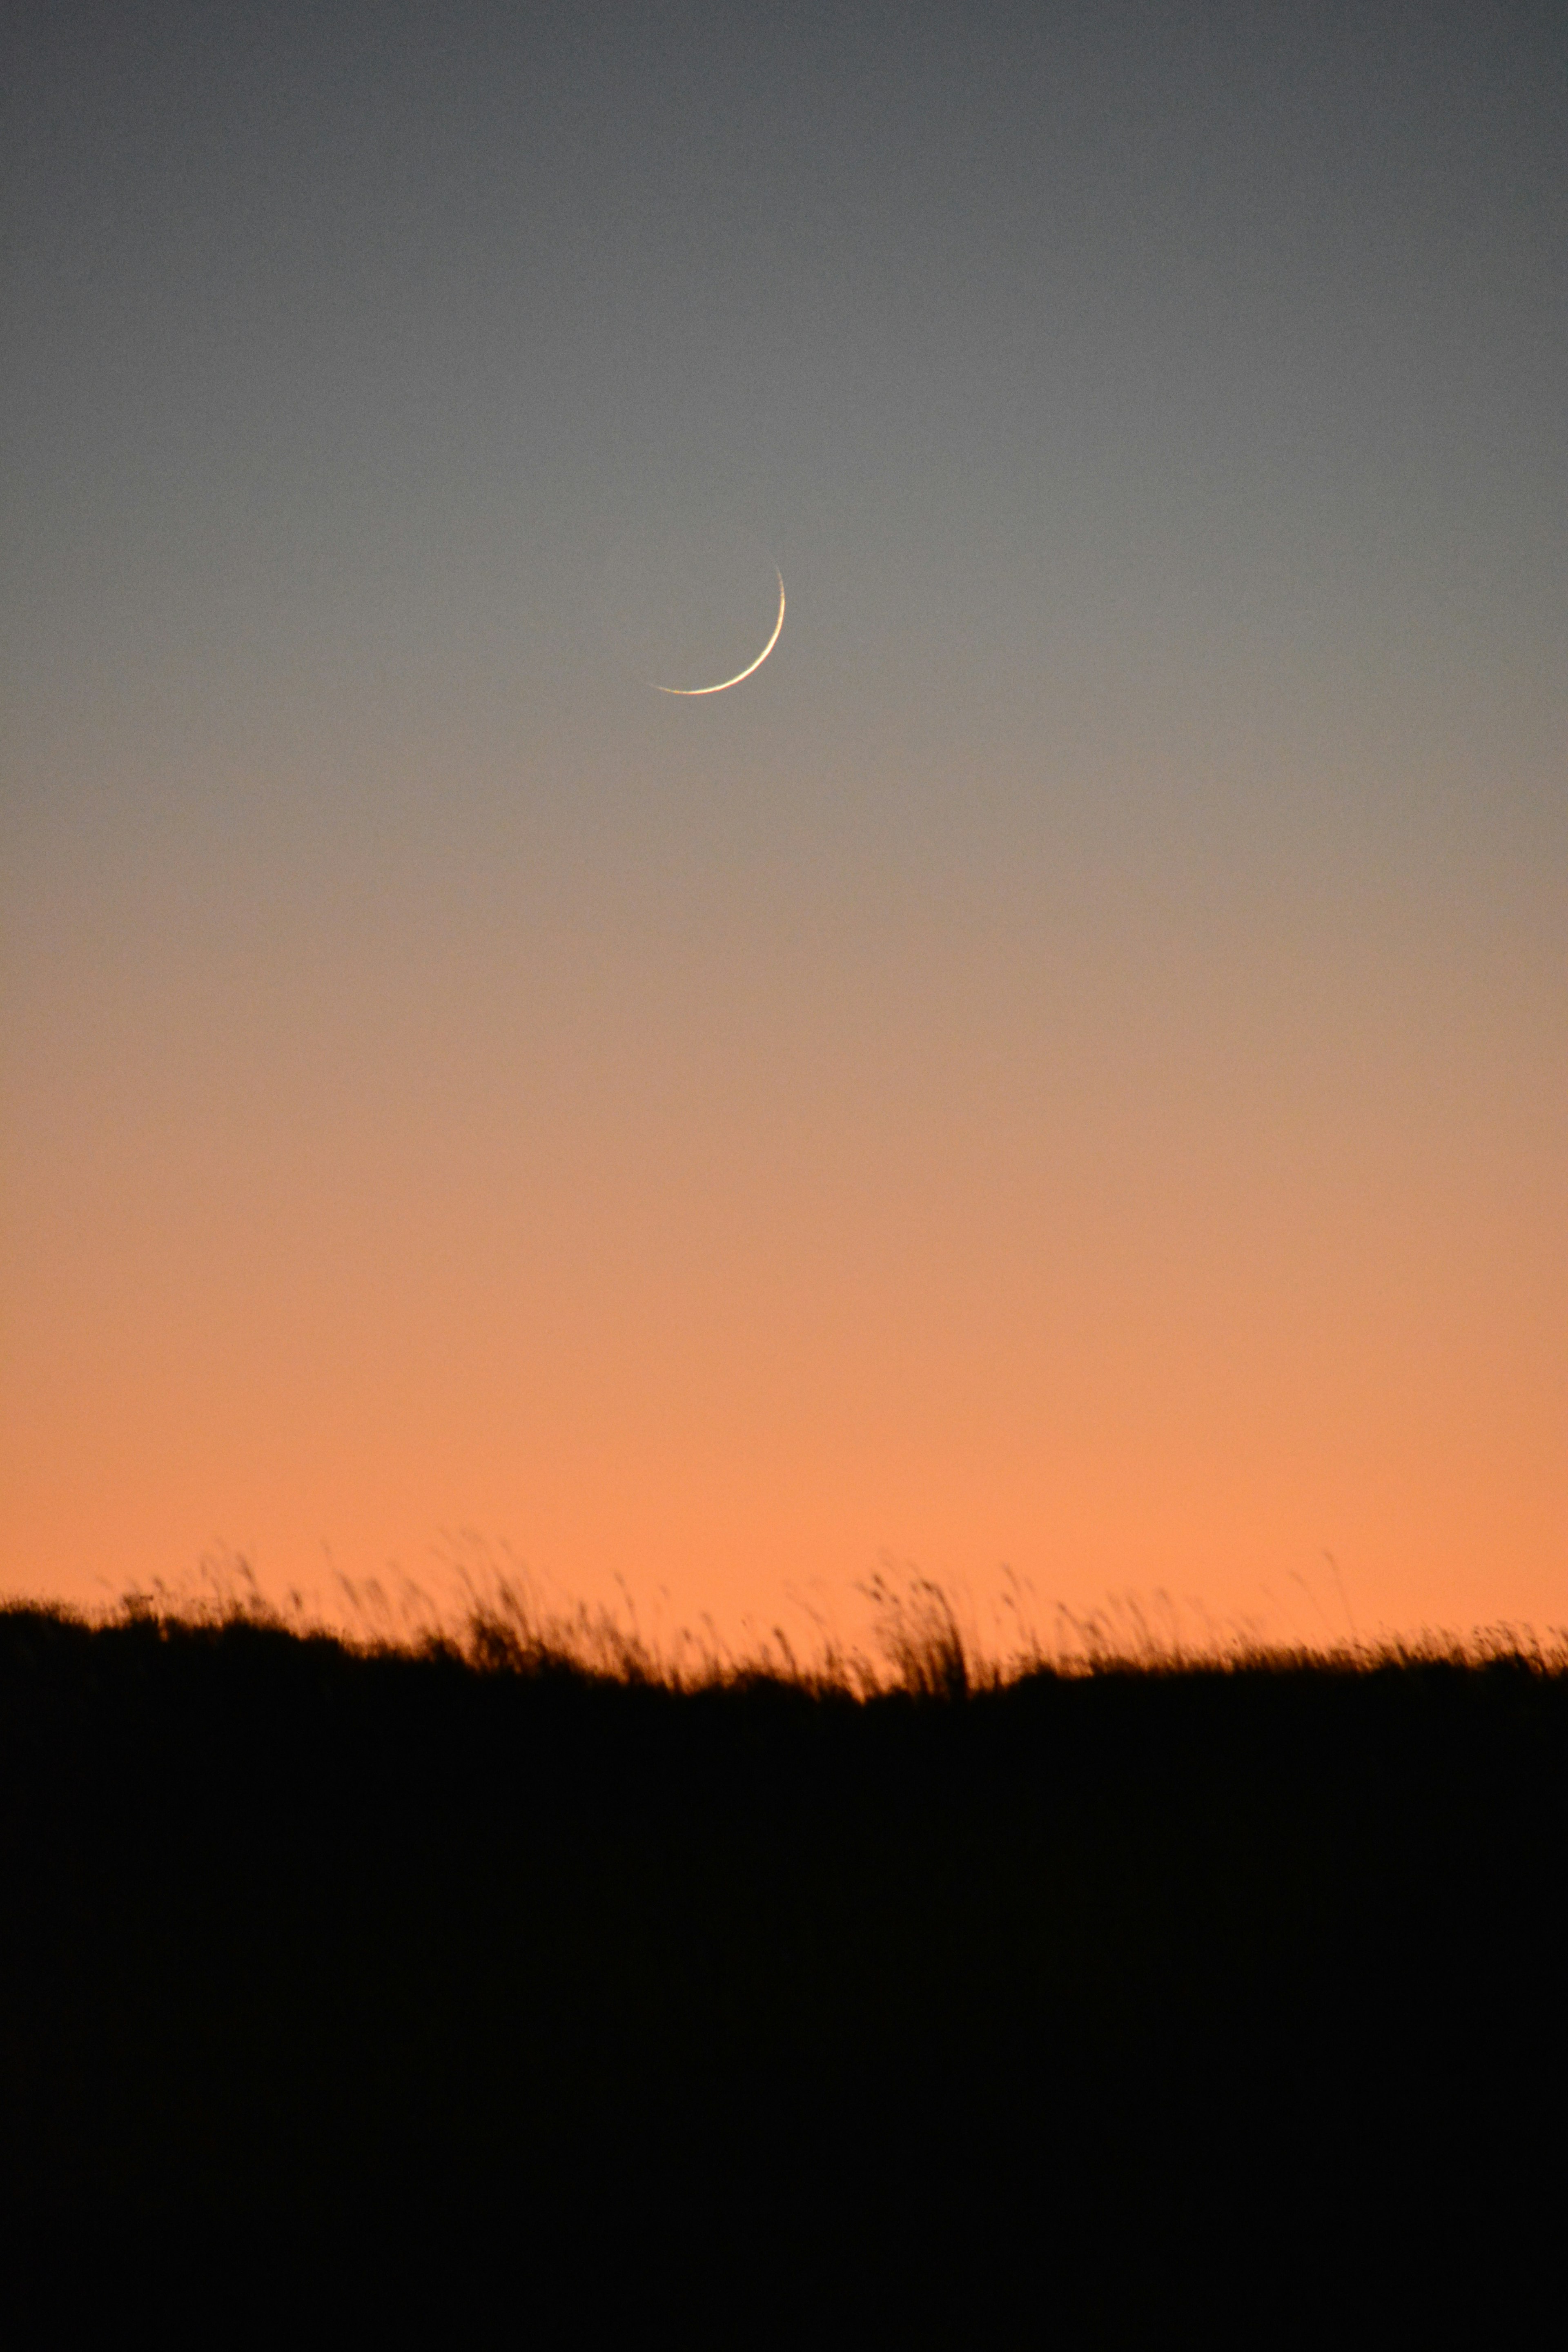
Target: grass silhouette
911 1986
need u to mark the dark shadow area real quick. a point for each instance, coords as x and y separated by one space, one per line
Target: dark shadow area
774 2004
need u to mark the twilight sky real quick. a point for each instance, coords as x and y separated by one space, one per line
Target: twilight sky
1066 1067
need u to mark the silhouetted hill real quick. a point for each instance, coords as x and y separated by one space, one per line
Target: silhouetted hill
1101 1990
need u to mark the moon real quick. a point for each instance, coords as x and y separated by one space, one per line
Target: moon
726 683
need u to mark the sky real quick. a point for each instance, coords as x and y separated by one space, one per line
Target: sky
1060 1081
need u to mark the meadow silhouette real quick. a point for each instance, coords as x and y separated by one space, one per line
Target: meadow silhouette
909 1987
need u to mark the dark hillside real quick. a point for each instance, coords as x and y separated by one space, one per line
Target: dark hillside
1115 1984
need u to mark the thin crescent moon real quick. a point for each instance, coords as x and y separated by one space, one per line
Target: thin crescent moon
726 683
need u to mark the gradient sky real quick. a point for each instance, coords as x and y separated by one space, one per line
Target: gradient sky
1066 1067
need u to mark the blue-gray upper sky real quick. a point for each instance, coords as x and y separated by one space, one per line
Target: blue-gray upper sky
1215 343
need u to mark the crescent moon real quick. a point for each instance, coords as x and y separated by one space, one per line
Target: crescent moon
726 683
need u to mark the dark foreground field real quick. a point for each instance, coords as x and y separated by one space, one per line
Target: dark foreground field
1090 1997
